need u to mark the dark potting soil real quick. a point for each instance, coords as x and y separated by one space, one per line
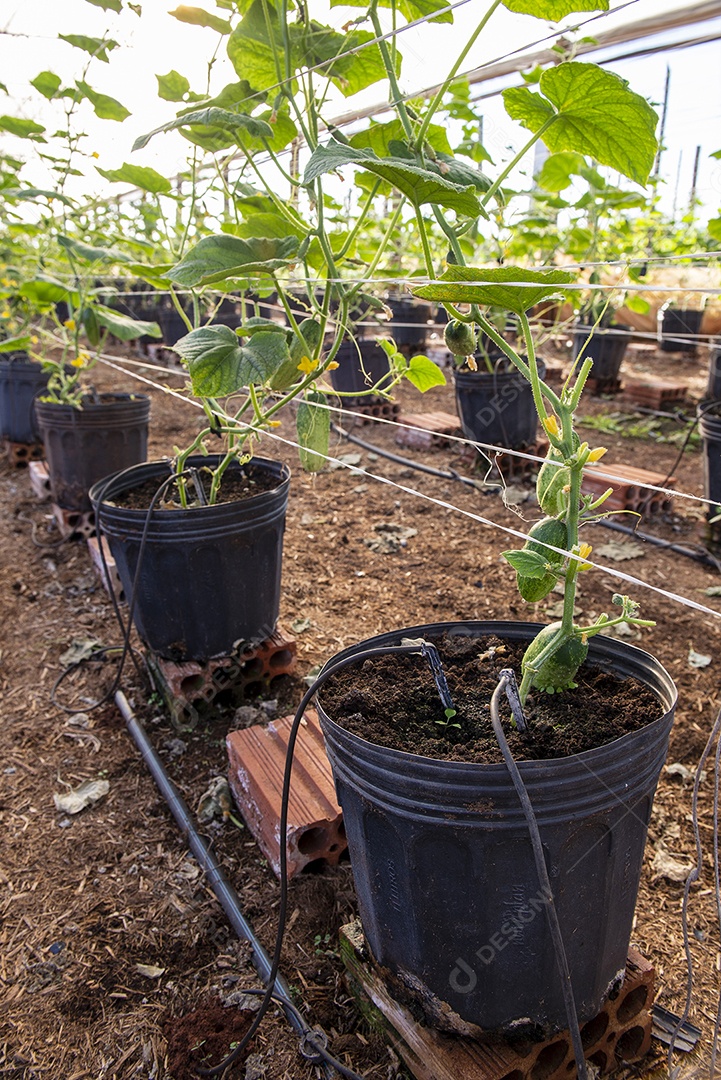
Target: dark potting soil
393 701
236 484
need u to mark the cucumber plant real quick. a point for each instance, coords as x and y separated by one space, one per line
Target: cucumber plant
566 111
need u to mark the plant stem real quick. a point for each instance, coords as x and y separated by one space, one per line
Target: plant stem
396 97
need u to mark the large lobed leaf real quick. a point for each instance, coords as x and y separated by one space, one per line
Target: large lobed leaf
221 257
231 123
220 365
420 186
140 176
502 287
593 112
123 326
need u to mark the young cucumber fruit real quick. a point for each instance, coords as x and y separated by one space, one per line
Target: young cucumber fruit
459 338
547 531
559 671
313 427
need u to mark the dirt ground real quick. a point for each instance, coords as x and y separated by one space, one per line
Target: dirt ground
115 958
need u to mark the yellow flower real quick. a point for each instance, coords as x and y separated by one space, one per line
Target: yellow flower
598 453
333 365
69 324
274 423
34 339
78 362
551 425
307 365
95 154
4 314
6 282
584 551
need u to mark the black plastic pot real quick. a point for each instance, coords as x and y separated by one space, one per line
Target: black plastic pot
709 414
21 380
675 329
171 325
497 407
410 323
361 364
83 445
606 347
446 882
210 575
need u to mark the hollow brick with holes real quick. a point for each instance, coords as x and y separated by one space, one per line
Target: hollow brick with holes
620 1034
632 488
21 454
74 524
257 758
653 393
191 688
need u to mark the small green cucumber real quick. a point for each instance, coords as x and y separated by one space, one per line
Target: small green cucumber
313 427
559 671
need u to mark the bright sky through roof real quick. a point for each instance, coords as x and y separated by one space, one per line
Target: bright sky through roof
154 43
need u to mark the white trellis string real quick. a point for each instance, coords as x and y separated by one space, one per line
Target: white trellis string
508 530
492 448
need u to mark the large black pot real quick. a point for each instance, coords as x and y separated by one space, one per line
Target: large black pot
82 445
497 407
210 575
21 380
446 882
606 346
361 364
677 330
709 414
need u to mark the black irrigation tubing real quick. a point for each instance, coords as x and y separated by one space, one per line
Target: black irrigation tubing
227 896
442 474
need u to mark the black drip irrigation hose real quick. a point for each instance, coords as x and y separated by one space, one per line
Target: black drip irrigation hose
311 1039
699 554
443 474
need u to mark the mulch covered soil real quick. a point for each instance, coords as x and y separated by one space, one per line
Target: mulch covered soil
115 958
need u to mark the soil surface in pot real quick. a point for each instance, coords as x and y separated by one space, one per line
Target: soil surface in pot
236 485
393 701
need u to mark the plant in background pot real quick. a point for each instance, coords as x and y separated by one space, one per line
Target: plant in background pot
87 435
209 575
452 882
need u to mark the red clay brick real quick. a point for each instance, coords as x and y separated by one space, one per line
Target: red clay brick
434 427
39 479
21 454
190 688
632 490
621 1033
257 762
653 393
